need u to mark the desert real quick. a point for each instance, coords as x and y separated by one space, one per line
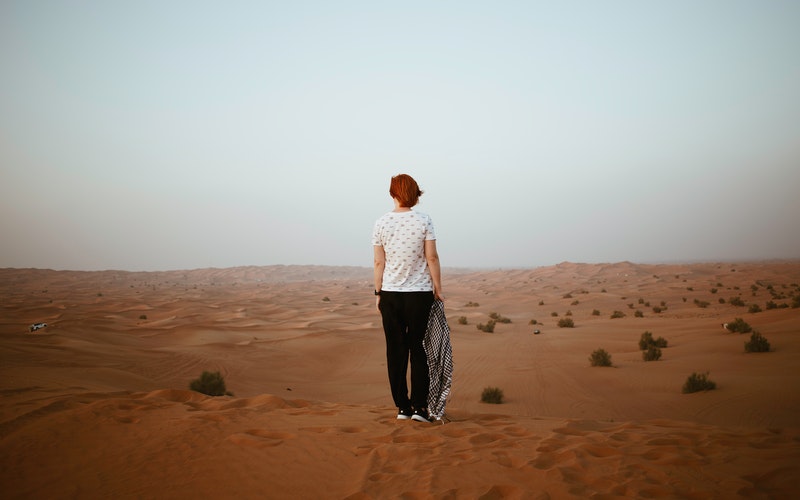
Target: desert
97 403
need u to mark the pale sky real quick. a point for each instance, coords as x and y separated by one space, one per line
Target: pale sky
176 135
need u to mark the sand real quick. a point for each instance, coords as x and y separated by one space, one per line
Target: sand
97 405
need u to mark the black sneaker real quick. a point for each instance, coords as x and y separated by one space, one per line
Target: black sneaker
404 414
421 415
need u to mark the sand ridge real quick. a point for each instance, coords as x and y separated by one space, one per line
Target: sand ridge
96 404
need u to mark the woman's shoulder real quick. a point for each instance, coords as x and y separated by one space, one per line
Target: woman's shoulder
423 216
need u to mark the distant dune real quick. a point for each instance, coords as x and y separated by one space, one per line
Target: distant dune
96 404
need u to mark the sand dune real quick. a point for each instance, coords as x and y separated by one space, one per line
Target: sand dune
97 403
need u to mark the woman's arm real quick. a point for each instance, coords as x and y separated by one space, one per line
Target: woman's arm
432 256
378 266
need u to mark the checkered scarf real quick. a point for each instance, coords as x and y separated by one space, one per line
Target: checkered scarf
440 360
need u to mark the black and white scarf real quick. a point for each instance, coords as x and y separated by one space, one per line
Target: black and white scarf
440 360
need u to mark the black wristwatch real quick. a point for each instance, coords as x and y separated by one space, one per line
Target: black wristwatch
377 292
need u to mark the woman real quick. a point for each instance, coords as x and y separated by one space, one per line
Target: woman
407 280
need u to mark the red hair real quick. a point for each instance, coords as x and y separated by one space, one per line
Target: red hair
405 189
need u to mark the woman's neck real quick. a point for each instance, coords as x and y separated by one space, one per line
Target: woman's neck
399 208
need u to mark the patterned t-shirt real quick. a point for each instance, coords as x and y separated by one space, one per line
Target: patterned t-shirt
402 236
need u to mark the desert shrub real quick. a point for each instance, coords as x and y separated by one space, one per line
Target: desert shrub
600 357
739 325
210 384
714 290
721 300
533 322
701 303
462 320
554 314
630 306
541 302
142 316
647 340
698 382
617 314
566 323
568 313
492 395
754 308
638 314
657 309
326 299
652 353
736 301
771 305
574 303
567 296
499 318
488 327
595 313
757 343
796 301
641 300
471 304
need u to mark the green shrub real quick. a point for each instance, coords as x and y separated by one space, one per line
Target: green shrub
757 343
210 383
647 340
566 323
499 318
617 314
698 382
488 327
739 325
652 353
754 308
736 301
492 395
600 358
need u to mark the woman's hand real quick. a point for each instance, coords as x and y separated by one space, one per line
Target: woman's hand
378 303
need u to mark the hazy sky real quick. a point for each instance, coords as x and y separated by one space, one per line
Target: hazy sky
172 135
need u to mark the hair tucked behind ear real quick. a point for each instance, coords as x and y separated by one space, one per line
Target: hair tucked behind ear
405 189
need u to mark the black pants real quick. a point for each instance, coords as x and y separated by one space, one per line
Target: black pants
405 319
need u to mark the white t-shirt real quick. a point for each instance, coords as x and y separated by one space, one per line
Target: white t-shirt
402 236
